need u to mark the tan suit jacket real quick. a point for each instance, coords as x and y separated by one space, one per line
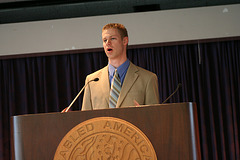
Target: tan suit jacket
139 84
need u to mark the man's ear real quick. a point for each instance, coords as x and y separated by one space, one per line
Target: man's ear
125 40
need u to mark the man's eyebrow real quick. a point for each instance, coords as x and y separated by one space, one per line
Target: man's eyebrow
109 36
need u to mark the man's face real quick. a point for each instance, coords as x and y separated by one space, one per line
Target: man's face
113 44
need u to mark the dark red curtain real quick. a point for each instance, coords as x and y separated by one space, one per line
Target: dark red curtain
209 73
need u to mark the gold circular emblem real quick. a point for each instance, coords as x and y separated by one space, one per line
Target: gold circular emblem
105 138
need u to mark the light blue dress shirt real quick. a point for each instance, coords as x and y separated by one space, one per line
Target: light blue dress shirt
122 71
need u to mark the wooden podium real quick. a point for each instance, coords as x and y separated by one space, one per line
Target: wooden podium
172 130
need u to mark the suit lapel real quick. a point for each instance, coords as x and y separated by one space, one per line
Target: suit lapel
105 85
129 80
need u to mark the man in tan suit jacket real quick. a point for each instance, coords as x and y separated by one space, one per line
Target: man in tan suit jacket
139 87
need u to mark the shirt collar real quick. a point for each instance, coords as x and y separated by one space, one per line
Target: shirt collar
121 69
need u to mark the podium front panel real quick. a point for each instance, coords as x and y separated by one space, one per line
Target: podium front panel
171 128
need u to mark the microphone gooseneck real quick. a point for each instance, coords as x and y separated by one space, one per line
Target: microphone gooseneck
178 86
66 109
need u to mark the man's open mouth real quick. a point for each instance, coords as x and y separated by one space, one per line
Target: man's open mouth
109 49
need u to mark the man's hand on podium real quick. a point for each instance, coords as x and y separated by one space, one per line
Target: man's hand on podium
136 103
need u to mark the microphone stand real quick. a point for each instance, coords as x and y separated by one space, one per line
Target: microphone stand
66 109
179 85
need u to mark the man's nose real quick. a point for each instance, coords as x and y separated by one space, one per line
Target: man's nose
108 42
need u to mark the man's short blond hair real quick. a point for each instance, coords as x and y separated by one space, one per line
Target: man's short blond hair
121 28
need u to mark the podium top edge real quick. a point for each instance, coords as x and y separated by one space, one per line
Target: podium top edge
129 107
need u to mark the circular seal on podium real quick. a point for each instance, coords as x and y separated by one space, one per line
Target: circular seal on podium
105 138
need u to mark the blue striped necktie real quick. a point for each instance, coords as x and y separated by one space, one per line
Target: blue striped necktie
115 90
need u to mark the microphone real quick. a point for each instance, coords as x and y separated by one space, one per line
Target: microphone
66 109
178 86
